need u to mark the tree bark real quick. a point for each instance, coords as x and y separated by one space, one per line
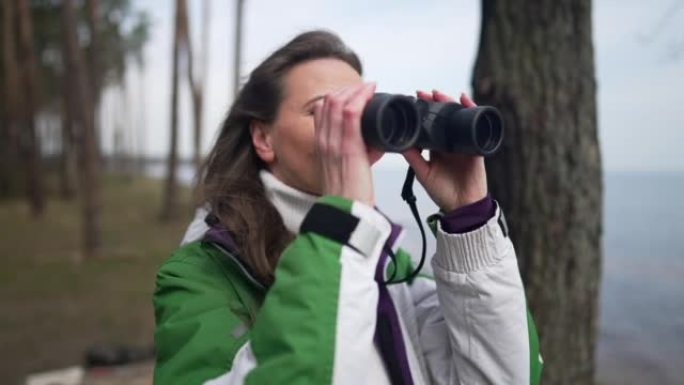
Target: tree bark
12 93
29 72
82 110
170 208
536 64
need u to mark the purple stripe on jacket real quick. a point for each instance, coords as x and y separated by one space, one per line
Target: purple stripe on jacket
388 335
470 217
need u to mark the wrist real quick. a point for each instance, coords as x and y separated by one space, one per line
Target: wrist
469 217
463 201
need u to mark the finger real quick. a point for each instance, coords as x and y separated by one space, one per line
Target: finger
364 92
333 134
318 121
346 93
424 95
346 96
466 101
419 165
439 96
318 114
322 132
353 111
330 137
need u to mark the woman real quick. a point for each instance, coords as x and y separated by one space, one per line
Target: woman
282 278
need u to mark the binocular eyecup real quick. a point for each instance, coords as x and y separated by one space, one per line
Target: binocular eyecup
395 123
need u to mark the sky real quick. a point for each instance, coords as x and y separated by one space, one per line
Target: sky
410 45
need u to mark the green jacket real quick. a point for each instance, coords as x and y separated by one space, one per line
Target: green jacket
327 319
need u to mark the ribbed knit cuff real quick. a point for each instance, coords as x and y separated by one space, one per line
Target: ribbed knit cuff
471 251
469 217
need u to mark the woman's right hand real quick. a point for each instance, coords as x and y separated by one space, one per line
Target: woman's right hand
341 151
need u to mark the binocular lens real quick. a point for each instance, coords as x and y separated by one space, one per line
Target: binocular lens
488 133
397 126
390 122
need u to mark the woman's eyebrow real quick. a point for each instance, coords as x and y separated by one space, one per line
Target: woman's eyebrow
314 99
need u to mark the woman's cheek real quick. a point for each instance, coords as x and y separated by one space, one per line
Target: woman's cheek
308 165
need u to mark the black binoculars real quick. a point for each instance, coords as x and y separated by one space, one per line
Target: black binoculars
395 123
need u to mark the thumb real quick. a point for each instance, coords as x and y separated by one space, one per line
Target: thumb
419 165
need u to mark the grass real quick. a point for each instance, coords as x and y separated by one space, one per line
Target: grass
54 307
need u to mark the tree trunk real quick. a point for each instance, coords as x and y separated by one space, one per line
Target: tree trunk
95 67
67 172
170 204
198 81
238 46
536 64
12 93
142 121
129 130
29 71
82 110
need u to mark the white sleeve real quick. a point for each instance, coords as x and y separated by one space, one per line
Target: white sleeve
479 307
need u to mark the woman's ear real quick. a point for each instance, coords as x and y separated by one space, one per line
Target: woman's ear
261 140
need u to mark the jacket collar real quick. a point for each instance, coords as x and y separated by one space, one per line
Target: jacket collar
222 239
291 204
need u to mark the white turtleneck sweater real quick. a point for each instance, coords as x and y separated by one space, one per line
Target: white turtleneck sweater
292 205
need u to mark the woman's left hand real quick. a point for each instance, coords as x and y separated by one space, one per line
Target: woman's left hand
452 180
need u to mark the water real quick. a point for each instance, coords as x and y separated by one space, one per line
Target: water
641 325
642 303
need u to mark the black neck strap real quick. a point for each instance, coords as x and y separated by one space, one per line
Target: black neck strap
410 199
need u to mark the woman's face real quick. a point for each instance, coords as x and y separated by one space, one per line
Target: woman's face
287 145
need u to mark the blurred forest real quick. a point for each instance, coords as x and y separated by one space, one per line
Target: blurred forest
78 223
75 221
58 59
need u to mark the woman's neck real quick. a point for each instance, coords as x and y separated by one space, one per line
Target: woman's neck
291 203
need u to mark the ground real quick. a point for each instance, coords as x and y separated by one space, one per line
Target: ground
55 307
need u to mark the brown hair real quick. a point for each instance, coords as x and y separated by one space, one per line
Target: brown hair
230 180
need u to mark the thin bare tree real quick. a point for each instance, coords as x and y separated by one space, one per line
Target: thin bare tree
95 67
239 8
141 126
29 76
140 35
12 93
198 80
68 164
81 107
170 203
